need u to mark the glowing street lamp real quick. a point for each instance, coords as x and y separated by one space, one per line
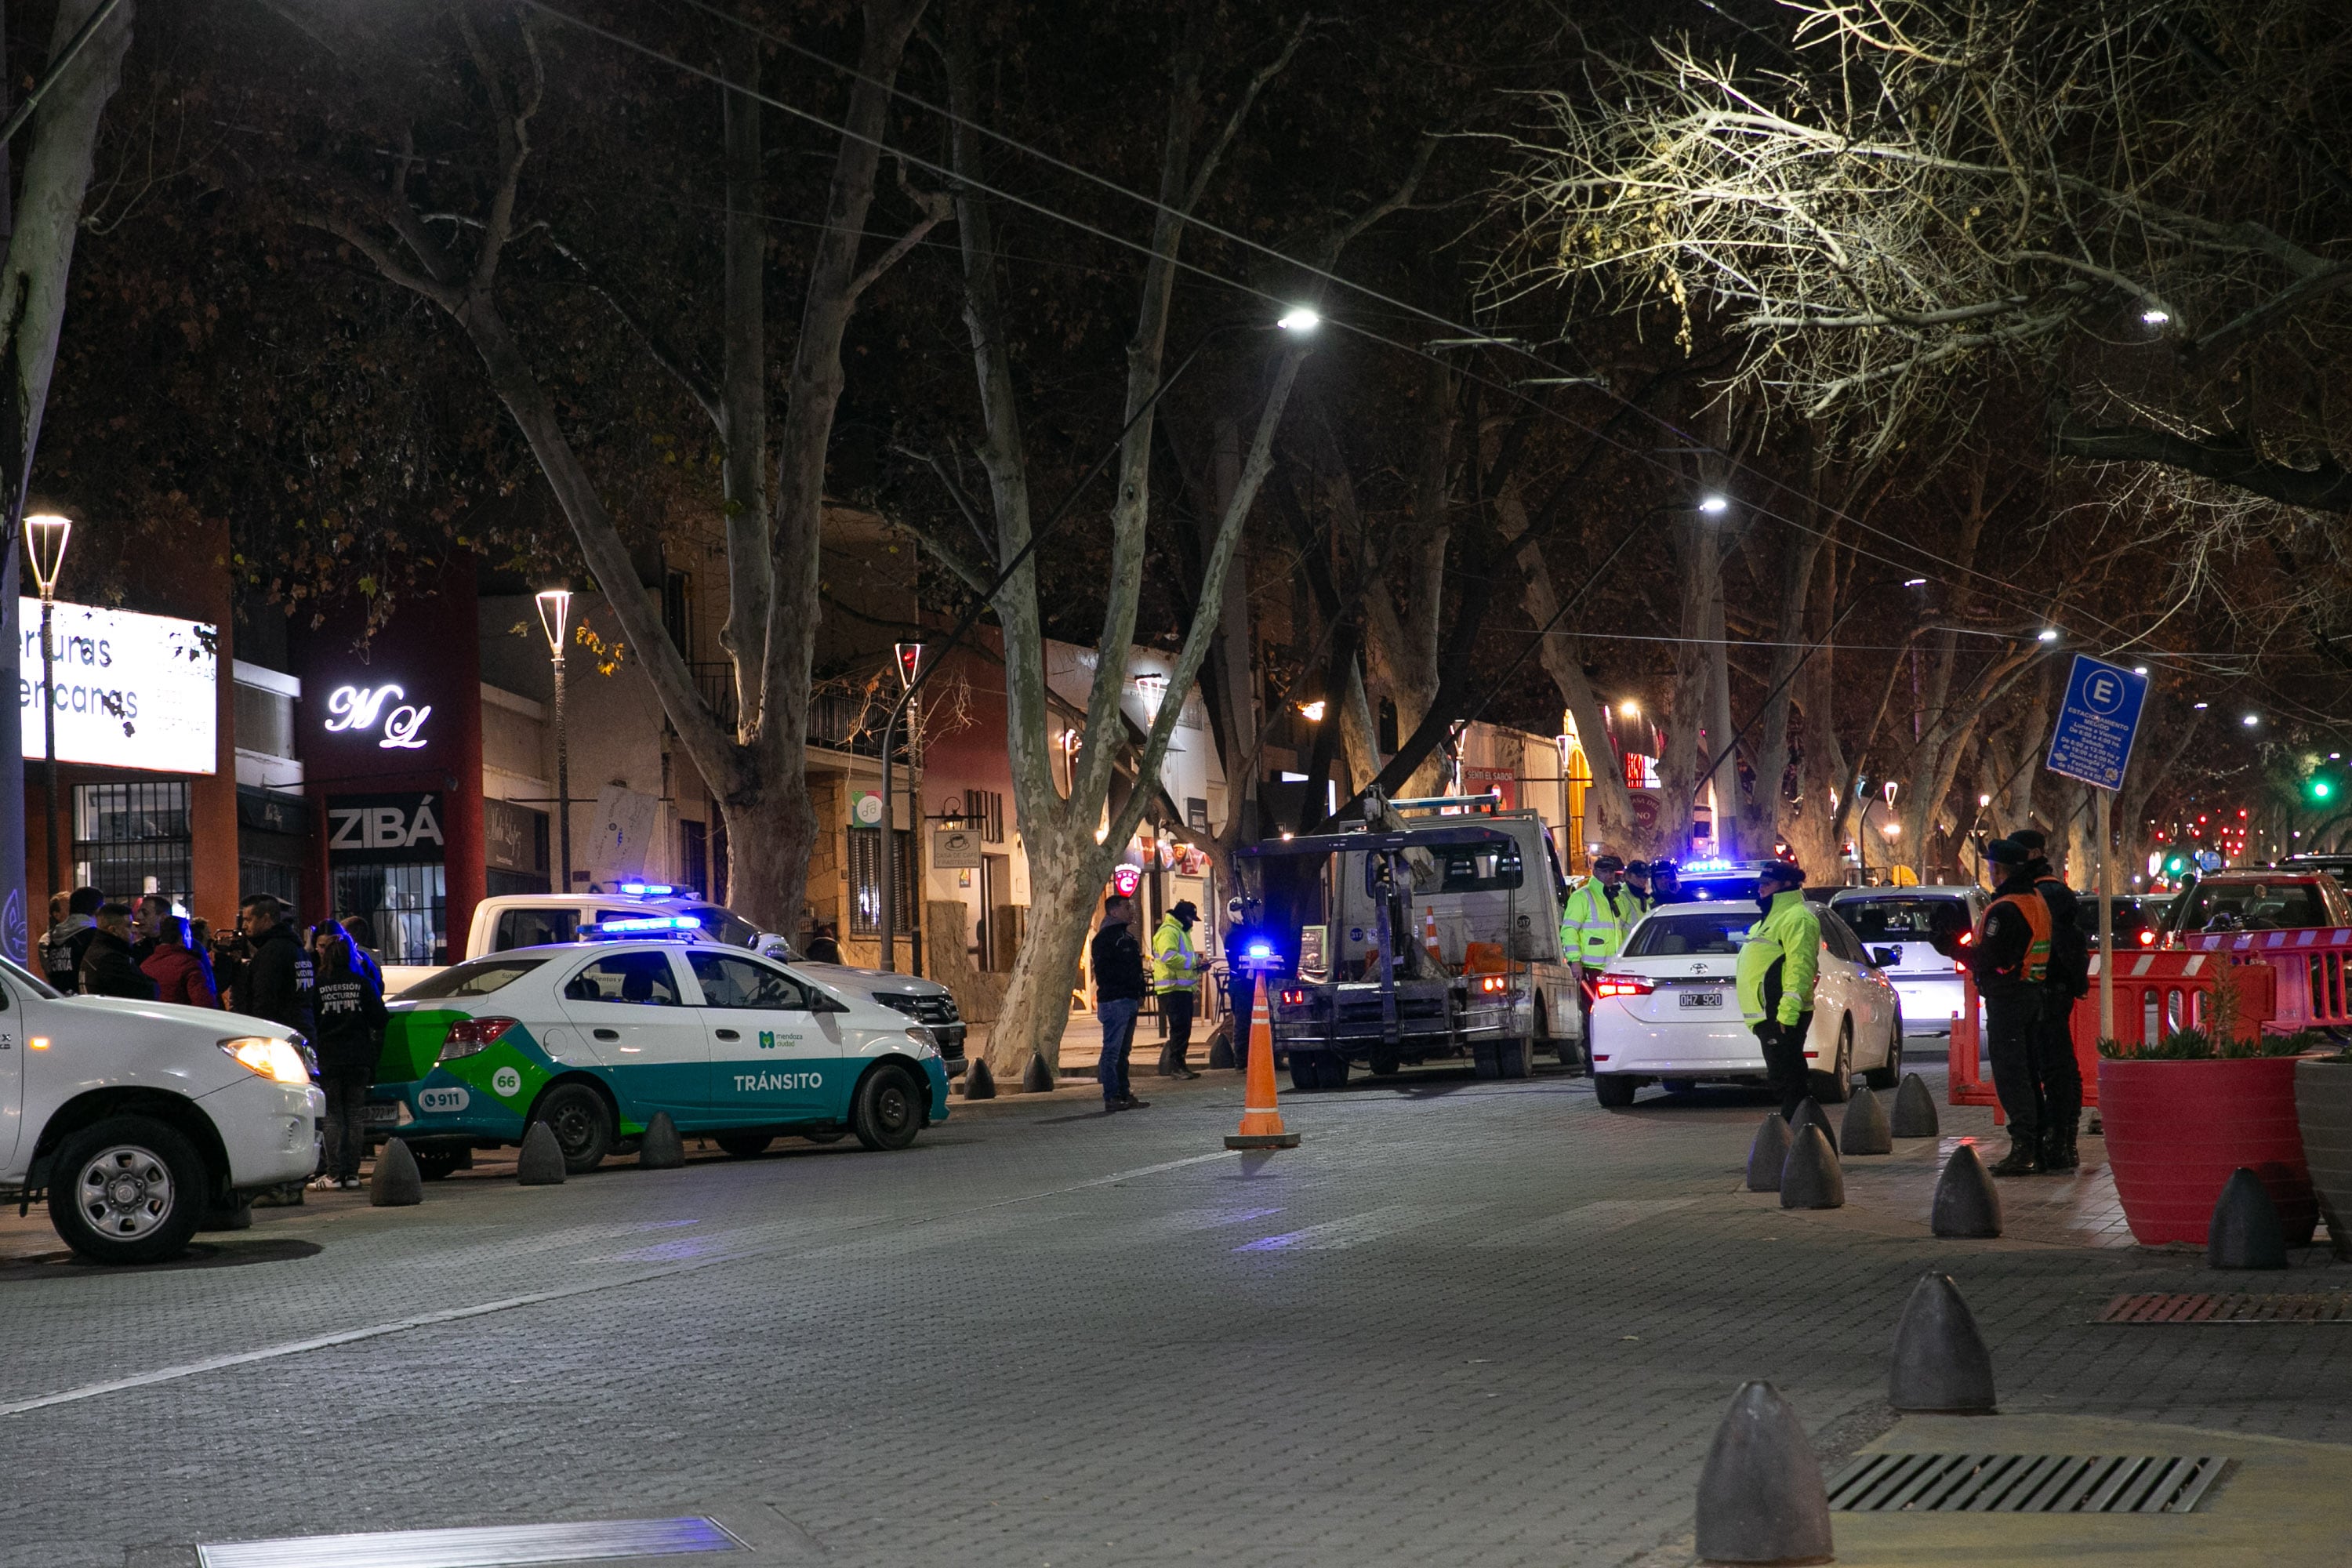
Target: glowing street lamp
555 620
45 542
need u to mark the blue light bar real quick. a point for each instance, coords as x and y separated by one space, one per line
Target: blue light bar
640 925
1260 949
655 888
1704 867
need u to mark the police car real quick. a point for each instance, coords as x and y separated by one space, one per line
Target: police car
646 1015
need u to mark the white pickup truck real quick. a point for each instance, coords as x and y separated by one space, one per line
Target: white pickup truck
534 920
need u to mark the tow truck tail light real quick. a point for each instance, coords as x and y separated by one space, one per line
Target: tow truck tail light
468 1036
1623 985
1296 996
1494 984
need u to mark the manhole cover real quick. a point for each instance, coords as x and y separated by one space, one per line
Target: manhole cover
2024 1483
2183 1307
489 1546
63 1265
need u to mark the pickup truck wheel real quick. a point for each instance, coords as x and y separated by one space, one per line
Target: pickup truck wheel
1835 1087
1614 1089
582 1123
886 1112
129 1189
743 1145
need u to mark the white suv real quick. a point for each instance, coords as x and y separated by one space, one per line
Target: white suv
138 1118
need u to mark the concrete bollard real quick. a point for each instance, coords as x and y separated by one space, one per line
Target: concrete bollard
541 1164
2245 1232
1767 1154
1862 1130
1967 1203
396 1183
1221 1048
1810 1114
1034 1078
979 1083
1811 1178
661 1149
1914 1109
1761 1497
1941 1364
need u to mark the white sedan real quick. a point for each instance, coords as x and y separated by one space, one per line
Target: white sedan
1665 1009
139 1118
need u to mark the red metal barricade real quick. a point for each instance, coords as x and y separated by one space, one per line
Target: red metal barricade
2155 993
2311 966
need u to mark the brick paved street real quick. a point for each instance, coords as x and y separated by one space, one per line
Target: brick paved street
1468 1323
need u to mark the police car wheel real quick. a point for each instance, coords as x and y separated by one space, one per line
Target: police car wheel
743 1145
886 1113
128 1189
582 1123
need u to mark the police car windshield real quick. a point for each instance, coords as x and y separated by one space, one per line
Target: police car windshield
1676 936
479 978
1898 920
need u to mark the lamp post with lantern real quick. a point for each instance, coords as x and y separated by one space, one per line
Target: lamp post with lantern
555 620
45 542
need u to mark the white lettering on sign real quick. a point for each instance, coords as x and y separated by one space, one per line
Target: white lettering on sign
507 1081
442 1102
383 827
755 1082
132 690
361 708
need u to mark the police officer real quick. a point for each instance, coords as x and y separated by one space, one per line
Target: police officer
1665 883
1778 965
1592 928
1637 879
2069 980
1176 973
2011 958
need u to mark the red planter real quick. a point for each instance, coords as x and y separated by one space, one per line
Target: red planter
2176 1130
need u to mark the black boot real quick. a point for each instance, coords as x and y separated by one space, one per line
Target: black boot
2058 1147
2021 1160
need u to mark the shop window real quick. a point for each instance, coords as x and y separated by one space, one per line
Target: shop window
134 838
865 883
406 905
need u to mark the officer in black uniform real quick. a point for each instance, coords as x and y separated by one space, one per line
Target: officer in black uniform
2010 955
2069 982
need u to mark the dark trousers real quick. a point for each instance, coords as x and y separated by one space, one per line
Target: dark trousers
1176 1012
1241 1006
1784 1060
2013 1040
346 1140
1118 1015
2062 1073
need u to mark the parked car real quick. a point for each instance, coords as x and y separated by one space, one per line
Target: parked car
138 1118
1665 1010
2257 898
2138 917
595 1036
1897 925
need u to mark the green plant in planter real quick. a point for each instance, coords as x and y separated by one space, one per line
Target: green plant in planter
2197 1046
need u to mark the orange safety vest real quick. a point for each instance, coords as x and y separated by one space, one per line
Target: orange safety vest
2036 966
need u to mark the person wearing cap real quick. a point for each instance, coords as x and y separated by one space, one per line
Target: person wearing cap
1176 972
1665 883
1637 879
2010 956
1592 926
1779 963
2059 1072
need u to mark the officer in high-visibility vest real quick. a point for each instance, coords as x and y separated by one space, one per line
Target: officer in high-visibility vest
1593 927
2069 980
1176 973
1778 964
2010 955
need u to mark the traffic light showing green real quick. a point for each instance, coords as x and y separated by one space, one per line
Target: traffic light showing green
2175 861
2319 789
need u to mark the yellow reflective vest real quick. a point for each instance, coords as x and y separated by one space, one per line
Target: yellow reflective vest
1790 935
1592 931
1172 958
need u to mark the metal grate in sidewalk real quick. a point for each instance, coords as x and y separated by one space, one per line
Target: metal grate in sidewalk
2024 1483
2186 1307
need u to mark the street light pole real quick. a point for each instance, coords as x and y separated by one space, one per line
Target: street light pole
44 541
555 620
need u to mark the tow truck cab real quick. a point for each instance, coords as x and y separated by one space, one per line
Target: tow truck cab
1440 938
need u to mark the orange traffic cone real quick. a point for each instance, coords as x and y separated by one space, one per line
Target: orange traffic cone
1261 1121
1429 935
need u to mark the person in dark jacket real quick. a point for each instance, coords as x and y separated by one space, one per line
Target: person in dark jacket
278 981
363 937
177 968
2069 982
2010 956
1117 959
824 947
68 939
106 966
147 926
350 1012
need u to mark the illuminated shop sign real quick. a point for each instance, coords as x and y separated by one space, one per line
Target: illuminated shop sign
133 691
377 711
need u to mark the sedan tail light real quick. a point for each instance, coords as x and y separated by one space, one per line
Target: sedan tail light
2148 936
468 1036
1623 985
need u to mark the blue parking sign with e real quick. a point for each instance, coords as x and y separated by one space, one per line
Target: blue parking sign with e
2093 738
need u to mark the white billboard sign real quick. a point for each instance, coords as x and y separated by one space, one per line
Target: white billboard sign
133 691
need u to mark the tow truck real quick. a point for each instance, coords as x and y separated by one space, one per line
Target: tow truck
1420 940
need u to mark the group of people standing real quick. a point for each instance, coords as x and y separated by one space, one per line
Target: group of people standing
322 985
1117 958
1601 910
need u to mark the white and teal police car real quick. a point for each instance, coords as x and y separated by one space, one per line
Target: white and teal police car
643 1016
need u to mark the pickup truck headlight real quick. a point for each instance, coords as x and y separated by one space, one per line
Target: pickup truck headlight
272 1059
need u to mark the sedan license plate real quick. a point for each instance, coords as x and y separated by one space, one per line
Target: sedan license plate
1710 997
